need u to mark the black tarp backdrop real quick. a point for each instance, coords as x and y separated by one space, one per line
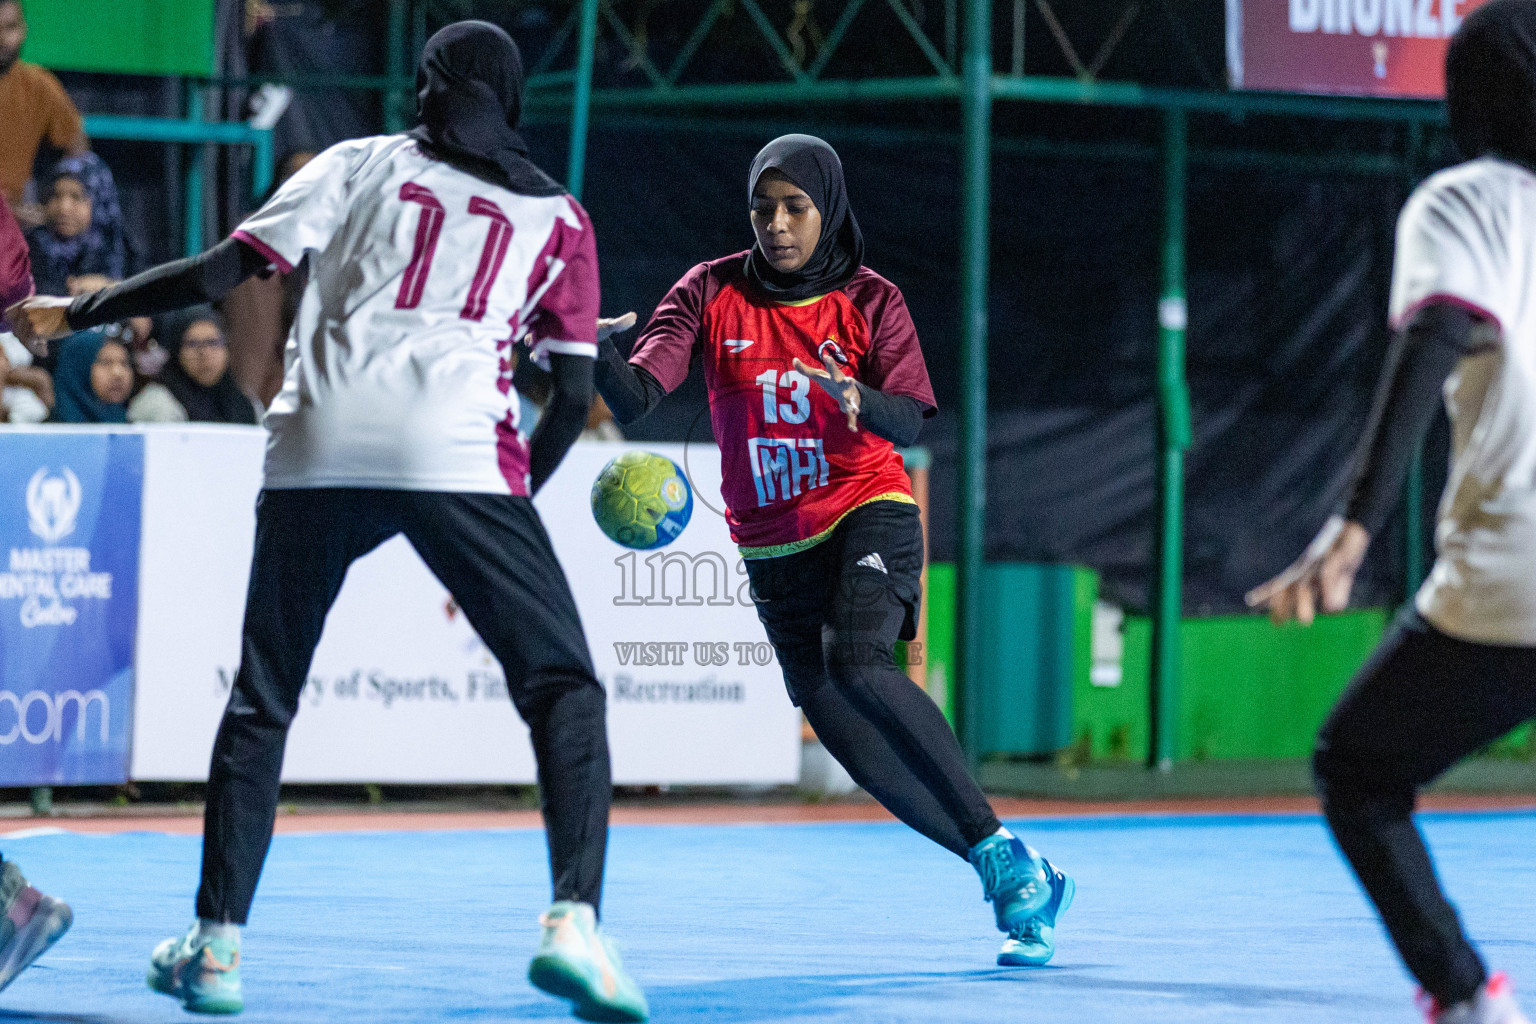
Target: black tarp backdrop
1287 281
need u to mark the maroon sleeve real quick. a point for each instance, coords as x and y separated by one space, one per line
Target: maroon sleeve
15 268
894 363
565 315
676 329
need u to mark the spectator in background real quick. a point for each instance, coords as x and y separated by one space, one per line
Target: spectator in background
27 394
80 247
33 108
93 380
148 357
197 377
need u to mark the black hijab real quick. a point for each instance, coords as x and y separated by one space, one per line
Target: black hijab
813 167
469 98
224 402
1490 82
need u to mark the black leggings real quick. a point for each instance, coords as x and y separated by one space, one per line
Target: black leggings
834 613
1424 701
492 553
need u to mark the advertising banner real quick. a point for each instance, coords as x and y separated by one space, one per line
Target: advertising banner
1355 47
69 530
402 689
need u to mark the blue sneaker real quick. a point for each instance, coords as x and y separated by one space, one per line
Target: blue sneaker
1032 943
43 921
1013 879
204 974
576 961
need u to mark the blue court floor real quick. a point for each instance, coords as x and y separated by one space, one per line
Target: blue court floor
1176 919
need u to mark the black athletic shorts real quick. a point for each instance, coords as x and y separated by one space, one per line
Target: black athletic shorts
851 596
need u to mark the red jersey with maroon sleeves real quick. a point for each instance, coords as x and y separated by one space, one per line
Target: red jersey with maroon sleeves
792 469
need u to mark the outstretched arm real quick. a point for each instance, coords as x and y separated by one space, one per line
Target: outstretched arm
631 391
1422 357
207 277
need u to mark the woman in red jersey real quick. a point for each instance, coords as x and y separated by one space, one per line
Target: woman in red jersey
815 374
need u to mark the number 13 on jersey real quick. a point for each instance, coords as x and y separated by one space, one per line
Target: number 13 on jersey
798 408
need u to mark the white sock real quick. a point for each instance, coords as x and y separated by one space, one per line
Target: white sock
1004 833
209 930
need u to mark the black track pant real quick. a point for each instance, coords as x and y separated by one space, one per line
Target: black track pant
1423 702
492 553
833 613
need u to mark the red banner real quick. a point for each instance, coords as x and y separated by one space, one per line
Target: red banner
1356 47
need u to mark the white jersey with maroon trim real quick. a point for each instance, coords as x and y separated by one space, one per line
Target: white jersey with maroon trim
422 279
1468 237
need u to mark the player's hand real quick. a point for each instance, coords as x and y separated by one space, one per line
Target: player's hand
39 320
837 384
1321 578
609 326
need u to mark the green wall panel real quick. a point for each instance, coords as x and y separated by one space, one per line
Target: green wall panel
1110 722
1030 616
1255 690
939 648
1250 690
1037 638
150 37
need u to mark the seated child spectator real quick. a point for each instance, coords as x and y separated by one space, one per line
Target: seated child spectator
80 247
196 375
93 380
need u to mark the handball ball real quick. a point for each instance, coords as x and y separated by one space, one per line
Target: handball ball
642 500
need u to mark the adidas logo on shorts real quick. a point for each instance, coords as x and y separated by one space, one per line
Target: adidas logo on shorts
874 561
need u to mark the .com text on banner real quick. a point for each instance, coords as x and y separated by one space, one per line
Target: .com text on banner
69 534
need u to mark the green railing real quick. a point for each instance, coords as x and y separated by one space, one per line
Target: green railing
194 133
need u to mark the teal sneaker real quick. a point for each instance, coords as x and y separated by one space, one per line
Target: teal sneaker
1013 879
204 974
1033 943
576 961
43 920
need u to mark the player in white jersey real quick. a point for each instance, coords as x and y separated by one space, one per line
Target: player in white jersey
431 254
1458 669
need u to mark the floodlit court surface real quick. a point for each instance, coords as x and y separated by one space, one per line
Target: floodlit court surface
1243 913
